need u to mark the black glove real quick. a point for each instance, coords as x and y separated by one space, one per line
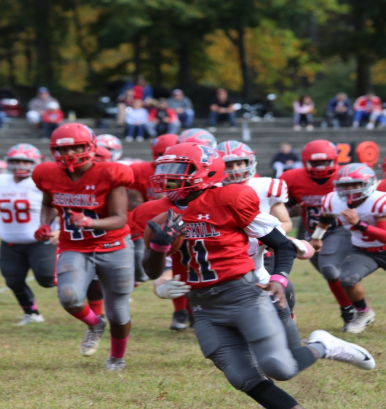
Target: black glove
169 232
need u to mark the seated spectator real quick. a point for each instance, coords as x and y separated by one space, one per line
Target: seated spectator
162 119
377 117
364 107
339 111
38 106
183 107
136 118
285 159
52 118
221 108
303 110
124 101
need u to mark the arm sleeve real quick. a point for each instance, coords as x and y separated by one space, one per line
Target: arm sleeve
246 208
261 225
377 232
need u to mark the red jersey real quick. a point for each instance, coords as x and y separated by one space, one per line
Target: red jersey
88 194
306 190
142 172
382 185
216 246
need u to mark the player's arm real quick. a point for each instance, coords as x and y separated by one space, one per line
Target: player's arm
325 221
377 232
280 212
135 198
294 209
47 217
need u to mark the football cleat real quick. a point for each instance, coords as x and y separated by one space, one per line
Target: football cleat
360 322
342 351
28 318
114 364
179 320
191 321
348 314
92 337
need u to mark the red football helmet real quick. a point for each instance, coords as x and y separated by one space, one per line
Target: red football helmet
102 155
161 143
384 167
320 150
112 143
355 173
187 167
235 151
73 134
25 152
129 161
3 166
198 135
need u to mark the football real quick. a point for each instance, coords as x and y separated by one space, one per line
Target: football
149 234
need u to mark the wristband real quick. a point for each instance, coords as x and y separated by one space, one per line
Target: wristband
280 279
362 226
318 233
160 249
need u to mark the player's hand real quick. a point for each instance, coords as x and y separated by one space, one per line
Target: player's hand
166 234
276 290
78 219
350 215
173 288
296 210
43 233
54 237
317 244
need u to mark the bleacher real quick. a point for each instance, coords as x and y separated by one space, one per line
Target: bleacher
265 137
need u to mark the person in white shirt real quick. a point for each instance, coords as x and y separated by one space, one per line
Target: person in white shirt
20 204
135 118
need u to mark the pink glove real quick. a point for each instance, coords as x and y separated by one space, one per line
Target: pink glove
43 233
79 219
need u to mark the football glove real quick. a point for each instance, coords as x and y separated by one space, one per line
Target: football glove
78 219
165 235
43 233
173 288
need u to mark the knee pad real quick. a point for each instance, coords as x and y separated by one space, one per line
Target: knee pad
348 280
68 298
242 381
280 370
330 272
118 314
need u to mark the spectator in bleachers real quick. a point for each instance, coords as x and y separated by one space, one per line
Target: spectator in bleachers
364 107
2 116
52 117
136 118
303 109
221 108
377 117
183 107
162 119
339 111
38 106
286 158
124 101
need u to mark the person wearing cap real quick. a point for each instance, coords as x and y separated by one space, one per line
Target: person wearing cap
162 119
183 107
52 117
38 105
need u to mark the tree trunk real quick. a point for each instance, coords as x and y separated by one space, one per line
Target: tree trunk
363 85
184 66
11 66
28 57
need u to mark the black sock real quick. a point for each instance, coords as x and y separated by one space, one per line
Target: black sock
271 397
360 305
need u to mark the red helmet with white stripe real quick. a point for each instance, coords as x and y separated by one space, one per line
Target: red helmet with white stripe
112 143
29 154
352 174
73 134
161 143
235 151
198 135
320 159
102 154
3 166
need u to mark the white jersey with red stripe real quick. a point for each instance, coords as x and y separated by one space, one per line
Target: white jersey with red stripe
371 209
20 205
270 192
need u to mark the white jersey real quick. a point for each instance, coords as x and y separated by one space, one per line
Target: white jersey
20 205
373 207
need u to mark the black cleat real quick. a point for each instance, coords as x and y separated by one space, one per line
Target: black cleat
191 321
347 314
180 319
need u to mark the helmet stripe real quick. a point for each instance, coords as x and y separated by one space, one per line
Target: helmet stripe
376 202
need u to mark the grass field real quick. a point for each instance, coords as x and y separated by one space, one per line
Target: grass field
40 366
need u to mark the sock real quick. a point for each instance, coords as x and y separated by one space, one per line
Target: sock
87 316
270 396
118 347
96 306
304 357
180 303
339 293
319 348
361 305
30 310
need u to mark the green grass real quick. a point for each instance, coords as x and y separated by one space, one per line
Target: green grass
40 366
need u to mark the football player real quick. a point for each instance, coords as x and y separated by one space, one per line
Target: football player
102 154
3 166
198 135
362 211
94 238
306 188
112 143
20 204
235 321
381 186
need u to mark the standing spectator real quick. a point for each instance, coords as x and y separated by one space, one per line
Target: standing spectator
142 90
365 106
339 111
136 118
303 110
52 118
162 119
286 158
38 105
124 101
183 107
221 108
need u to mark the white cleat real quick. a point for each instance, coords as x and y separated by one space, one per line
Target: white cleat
92 337
28 318
342 351
361 320
115 364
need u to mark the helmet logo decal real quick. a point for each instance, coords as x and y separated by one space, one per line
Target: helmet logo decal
65 141
208 154
318 156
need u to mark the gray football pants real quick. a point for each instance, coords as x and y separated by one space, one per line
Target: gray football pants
115 270
238 328
336 246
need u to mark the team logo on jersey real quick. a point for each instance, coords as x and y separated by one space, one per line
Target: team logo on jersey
66 199
200 231
92 187
208 154
203 216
